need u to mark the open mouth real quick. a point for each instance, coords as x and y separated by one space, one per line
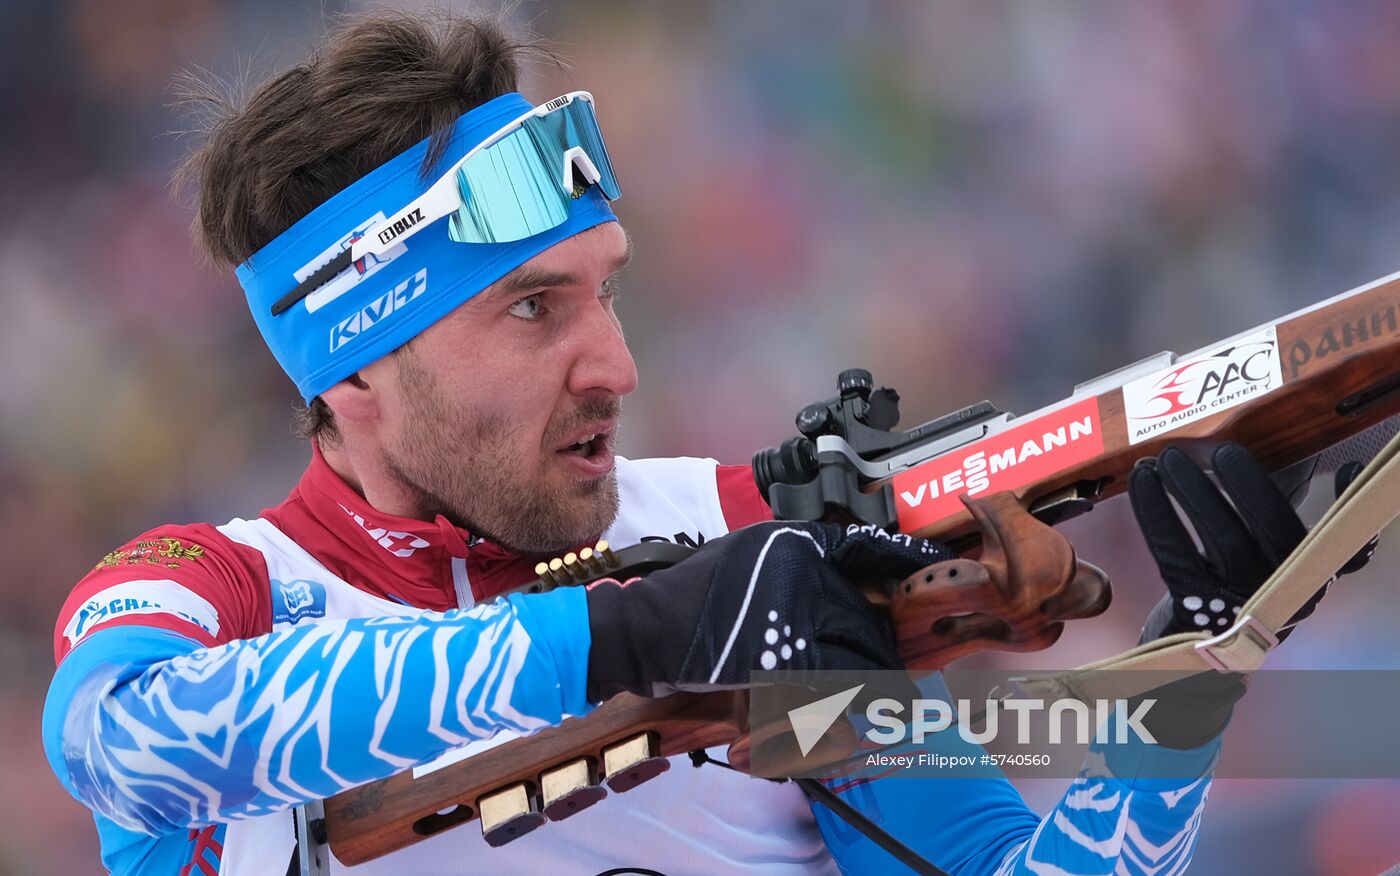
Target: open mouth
589 455
589 445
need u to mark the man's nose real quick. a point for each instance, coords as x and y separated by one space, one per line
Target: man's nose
603 363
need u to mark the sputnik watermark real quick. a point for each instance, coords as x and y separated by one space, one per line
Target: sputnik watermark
862 726
1106 721
936 715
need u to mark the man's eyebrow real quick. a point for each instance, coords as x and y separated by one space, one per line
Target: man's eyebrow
626 258
526 277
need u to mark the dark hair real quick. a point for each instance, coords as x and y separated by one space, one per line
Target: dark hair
381 83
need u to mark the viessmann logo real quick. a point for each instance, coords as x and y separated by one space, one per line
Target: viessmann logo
929 492
1202 385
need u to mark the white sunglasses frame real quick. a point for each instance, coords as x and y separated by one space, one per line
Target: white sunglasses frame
444 198
440 200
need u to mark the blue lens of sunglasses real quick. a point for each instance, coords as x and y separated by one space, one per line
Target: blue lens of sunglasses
521 185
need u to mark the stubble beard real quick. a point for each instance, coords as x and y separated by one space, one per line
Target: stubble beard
470 467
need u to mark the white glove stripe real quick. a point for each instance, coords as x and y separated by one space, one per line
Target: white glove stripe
748 594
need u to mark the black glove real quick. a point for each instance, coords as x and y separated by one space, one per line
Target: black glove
770 596
1246 529
1243 544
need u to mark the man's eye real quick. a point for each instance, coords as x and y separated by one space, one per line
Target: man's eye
527 308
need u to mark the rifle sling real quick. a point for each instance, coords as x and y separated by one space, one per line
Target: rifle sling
1367 506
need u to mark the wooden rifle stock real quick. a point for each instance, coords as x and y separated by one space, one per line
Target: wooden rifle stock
1016 597
1286 391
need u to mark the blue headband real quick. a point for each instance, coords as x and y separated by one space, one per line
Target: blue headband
382 303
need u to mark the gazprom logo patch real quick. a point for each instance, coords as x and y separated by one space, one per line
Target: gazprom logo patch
361 269
379 310
141 597
294 600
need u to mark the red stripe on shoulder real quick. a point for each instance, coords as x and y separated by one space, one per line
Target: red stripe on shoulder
739 498
189 579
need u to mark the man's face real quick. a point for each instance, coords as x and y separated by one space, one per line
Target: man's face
504 414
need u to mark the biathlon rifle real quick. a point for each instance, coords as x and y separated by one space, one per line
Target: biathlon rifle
1286 390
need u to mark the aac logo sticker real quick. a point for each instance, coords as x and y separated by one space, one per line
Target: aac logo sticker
347 280
294 600
1194 388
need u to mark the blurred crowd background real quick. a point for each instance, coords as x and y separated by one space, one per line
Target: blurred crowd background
972 199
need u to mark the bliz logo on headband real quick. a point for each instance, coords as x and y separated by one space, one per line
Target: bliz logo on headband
362 268
378 310
400 226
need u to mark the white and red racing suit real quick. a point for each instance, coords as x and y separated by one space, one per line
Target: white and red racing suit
211 678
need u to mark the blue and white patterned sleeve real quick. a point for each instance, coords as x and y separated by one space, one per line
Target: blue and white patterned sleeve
1111 820
157 733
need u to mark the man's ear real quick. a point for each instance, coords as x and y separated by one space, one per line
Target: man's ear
356 399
